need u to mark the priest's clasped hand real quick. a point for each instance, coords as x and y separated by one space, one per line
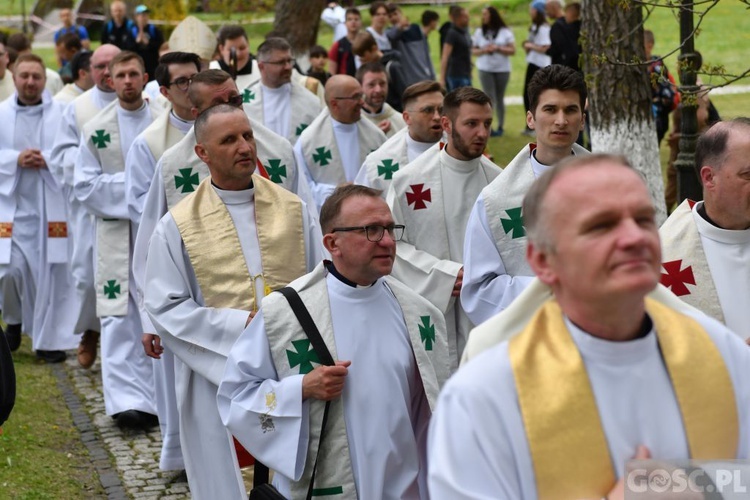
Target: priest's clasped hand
31 158
325 382
459 283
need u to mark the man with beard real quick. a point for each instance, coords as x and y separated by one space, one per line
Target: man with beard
283 106
331 150
433 196
423 106
374 81
495 266
99 184
33 261
80 221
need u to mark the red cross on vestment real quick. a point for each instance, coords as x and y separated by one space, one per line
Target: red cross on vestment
676 277
418 197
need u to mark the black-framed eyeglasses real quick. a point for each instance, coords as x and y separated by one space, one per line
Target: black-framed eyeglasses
280 62
181 83
357 97
375 232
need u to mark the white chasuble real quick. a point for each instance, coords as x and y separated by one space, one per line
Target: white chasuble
287 111
182 170
332 153
7 87
685 270
108 137
68 93
395 153
432 196
140 163
386 113
706 266
495 267
374 430
33 127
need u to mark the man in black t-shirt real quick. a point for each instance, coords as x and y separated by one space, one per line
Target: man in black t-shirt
455 62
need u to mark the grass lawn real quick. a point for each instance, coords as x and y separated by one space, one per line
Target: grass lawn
41 453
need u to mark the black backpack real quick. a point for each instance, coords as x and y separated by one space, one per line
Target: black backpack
7 380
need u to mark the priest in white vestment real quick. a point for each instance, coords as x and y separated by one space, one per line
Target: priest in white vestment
81 225
331 150
423 106
33 232
706 245
99 184
173 76
495 267
432 196
374 81
211 261
618 375
279 102
391 357
80 67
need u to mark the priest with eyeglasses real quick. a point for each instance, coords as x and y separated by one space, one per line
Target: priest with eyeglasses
390 351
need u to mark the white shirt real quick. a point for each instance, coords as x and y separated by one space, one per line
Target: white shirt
495 62
728 257
277 108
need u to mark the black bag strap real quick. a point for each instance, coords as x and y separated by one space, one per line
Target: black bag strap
324 355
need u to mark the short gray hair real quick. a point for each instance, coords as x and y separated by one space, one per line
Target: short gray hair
271 44
201 123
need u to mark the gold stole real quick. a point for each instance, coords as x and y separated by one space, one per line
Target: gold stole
214 249
559 410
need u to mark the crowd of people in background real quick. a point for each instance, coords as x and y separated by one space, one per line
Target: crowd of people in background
283 265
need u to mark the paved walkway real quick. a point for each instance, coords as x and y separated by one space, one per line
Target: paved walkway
127 461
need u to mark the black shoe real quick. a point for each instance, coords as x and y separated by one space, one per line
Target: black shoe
136 420
13 336
51 356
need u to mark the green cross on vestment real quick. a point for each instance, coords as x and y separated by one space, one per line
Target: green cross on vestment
322 155
275 170
186 180
111 289
387 168
303 355
100 139
427 332
515 223
300 128
248 95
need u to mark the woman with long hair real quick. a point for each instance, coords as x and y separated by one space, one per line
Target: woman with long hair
494 43
536 46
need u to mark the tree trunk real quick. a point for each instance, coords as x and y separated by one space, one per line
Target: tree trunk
620 95
298 21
